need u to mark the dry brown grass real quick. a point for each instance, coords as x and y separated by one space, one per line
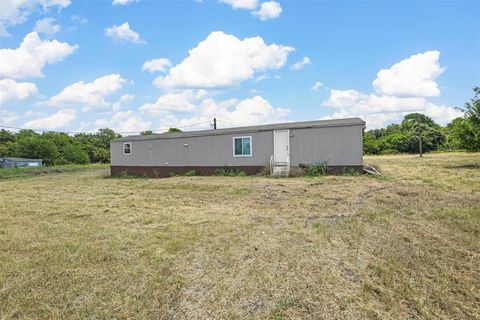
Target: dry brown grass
79 245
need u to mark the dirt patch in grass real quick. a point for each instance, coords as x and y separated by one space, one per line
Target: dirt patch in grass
76 245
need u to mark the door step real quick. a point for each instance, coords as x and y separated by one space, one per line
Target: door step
280 169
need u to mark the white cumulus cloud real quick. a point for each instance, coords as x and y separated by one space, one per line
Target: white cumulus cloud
14 12
157 65
117 105
28 60
234 113
379 110
46 26
12 90
268 10
261 78
58 120
223 60
174 102
412 77
126 98
400 90
354 101
7 117
122 2
198 106
316 86
255 110
241 4
124 121
123 33
302 63
89 95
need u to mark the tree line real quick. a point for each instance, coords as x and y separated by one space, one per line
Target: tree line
56 148
462 133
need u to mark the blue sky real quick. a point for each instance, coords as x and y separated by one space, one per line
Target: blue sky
137 65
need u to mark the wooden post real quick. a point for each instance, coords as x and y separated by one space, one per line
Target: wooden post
420 145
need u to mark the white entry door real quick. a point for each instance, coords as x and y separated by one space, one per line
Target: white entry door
281 145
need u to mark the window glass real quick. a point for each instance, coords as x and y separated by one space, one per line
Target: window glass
246 146
126 148
238 146
243 146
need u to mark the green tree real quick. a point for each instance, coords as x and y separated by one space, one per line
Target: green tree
418 118
6 136
7 148
62 141
146 133
467 130
7 143
104 136
74 153
452 134
100 155
404 137
174 130
371 144
97 145
397 141
26 133
377 133
419 126
472 108
37 147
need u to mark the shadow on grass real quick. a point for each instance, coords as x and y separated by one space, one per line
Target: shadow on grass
126 176
464 166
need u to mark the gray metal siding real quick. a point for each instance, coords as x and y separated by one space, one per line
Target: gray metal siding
340 145
201 151
332 145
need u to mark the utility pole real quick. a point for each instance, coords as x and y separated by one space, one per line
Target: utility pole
214 123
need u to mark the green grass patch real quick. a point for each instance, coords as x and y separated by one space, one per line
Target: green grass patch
22 172
322 230
190 173
316 169
230 172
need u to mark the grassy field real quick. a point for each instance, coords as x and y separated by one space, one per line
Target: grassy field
81 245
21 172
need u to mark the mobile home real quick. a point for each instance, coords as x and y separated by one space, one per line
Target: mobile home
336 143
12 162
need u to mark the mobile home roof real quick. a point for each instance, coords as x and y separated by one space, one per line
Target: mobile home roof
20 159
267 127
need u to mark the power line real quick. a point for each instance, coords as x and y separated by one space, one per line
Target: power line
120 132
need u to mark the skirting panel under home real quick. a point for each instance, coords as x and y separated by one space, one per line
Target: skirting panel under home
167 171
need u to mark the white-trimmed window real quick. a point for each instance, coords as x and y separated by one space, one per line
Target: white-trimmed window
242 146
127 148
